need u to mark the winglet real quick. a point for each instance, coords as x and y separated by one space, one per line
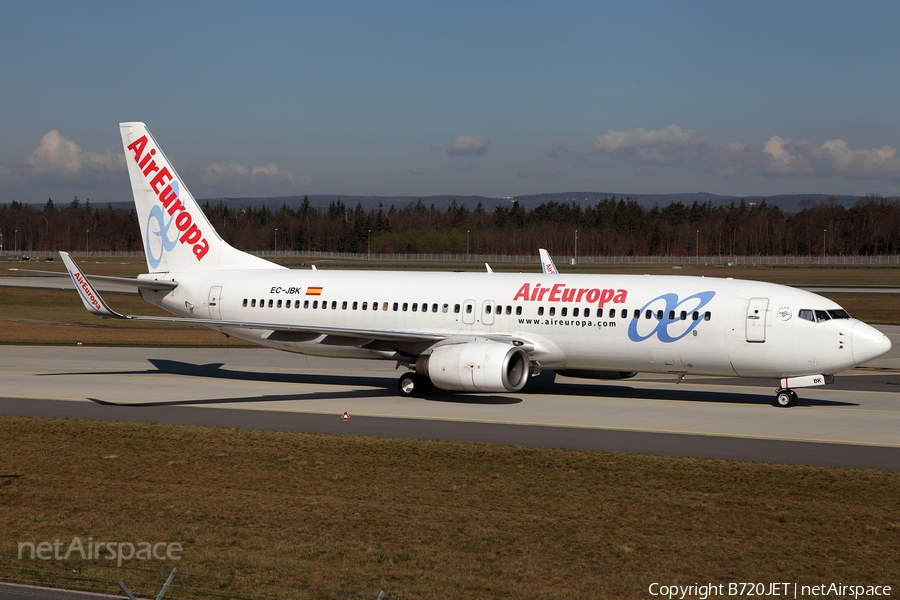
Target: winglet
488 267
92 300
547 265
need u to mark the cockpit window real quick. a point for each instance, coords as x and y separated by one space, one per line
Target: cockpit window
838 313
822 315
807 315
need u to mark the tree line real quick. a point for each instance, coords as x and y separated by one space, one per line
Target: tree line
612 227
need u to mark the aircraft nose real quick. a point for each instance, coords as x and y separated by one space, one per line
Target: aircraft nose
867 343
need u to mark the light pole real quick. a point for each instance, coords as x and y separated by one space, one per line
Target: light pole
16 247
576 247
698 248
369 245
824 231
1 243
467 245
276 242
87 247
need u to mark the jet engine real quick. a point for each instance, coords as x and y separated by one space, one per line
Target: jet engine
479 366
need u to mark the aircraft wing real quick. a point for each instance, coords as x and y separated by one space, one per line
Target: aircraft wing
96 305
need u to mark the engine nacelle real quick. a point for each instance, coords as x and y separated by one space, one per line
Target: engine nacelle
591 374
481 366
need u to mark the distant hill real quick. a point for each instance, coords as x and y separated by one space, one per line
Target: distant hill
789 203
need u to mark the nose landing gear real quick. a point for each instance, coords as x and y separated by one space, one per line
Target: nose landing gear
785 398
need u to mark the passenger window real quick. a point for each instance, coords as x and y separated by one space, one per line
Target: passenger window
587 312
253 303
637 314
563 311
279 304
334 305
270 303
574 312
648 314
245 302
707 316
518 310
315 304
456 308
365 305
671 315
659 315
509 310
355 305
374 306
396 306
624 313
445 308
324 304
684 315
696 315
487 309
434 308
540 311
468 309
344 305
415 307
552 311
384 306
306 304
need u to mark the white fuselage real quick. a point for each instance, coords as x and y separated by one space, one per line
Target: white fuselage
685 325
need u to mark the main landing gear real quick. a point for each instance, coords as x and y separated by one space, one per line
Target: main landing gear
785 398
414 385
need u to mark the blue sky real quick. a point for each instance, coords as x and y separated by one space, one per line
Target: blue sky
483 98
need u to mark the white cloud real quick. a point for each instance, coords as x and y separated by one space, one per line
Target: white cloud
468 144
240 179
58 156
673 146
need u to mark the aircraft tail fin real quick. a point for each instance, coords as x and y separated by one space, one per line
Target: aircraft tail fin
547 265
177 235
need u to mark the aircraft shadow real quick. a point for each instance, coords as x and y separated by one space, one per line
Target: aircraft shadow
542 384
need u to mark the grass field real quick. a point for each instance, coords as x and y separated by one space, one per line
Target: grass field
420 519
423 519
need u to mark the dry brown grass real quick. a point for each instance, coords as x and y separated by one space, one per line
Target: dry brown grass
426 519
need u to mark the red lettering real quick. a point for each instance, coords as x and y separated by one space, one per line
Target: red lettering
568 294
581 293
191 236
158 179
183 220
137 146
543 293
606 296
557 288
592 295
620 297
146 158
177 205
167 196
201 249
150 168
534 293
522 294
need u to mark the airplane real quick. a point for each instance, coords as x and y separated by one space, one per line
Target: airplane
477 332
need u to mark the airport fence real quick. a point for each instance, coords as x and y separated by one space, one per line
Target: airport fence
524 259
103 577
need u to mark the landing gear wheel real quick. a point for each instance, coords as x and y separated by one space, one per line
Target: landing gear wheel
785 398
413 385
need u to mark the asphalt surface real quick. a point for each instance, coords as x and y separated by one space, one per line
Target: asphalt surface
854 423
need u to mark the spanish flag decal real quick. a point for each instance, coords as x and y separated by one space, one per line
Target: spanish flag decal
314 291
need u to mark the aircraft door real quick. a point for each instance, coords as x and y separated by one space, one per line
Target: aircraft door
756 320
468 309
487 312
215 299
